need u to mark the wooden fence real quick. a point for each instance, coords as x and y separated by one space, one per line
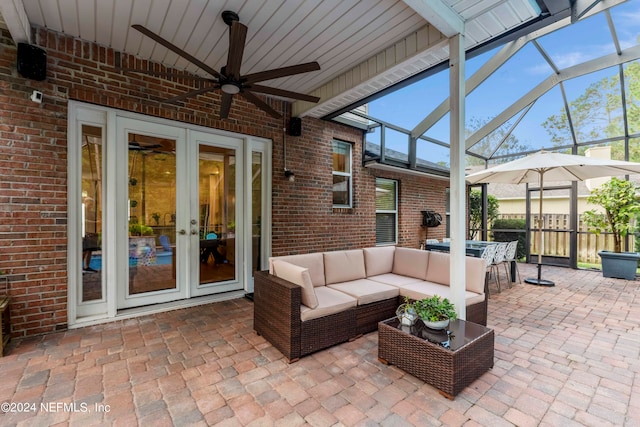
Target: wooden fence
556 243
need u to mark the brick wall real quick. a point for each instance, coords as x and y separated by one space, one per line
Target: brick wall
33 170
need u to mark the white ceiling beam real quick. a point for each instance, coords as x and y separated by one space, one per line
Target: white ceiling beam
15 17
438 14
409 56
607 61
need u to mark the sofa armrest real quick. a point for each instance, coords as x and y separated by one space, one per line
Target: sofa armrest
276 312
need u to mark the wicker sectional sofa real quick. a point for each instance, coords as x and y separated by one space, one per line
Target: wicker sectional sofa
309 302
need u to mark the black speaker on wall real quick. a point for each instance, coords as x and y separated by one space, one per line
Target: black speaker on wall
295 126
32 62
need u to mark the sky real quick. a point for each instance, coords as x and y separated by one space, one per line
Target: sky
583 41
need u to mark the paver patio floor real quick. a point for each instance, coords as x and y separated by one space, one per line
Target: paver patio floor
564 356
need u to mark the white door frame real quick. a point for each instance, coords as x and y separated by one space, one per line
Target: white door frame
205 138
93 312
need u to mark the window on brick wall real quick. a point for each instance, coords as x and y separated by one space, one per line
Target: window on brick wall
342 175
386 211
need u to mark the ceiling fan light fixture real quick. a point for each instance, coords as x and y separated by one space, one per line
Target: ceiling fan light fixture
230 88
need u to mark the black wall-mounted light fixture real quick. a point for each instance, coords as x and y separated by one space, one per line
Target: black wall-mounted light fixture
289 175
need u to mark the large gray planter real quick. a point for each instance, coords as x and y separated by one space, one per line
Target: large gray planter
621 265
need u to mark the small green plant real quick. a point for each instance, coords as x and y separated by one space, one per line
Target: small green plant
406 312
435 309
136 229
619 200
156 217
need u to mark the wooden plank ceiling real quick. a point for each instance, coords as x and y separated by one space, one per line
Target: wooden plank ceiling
362 46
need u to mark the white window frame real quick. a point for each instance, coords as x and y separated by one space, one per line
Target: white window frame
349 174
386 211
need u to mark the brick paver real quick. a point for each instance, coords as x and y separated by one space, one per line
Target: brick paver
566 355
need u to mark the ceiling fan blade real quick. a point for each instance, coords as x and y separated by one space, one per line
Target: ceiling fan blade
260 104
176 49
282 92
237 38
281 72
189 94
225 105
163 74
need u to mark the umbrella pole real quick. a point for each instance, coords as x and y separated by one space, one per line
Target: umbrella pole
539 281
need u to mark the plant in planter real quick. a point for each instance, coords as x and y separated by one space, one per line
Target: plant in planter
136 229
620 202
156 217
435 312
406 313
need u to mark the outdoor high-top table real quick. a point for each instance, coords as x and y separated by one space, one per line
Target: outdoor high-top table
473 248
449 360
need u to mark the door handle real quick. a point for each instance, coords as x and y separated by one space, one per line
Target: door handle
183 232
194 231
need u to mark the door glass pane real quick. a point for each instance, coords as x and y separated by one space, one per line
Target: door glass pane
217 194
256 210
152 214
91 213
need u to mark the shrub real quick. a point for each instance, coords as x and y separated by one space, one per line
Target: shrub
508 236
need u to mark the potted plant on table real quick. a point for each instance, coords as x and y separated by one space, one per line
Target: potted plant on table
435 312
619 200
406 313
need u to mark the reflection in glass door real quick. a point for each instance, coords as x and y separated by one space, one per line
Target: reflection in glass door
151 213
217 201
91 214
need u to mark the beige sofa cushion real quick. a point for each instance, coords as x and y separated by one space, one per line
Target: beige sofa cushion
475 272
366 291
378 260
300 276
343 266
314 262
393 279
438 271
411 262
420 290
330 302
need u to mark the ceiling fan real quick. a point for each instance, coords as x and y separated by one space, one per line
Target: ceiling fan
228 79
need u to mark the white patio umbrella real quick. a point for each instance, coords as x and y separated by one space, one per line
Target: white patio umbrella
549 166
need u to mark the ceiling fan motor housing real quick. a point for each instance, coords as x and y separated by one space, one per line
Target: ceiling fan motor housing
229 17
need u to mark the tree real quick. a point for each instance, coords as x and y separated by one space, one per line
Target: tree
597 114
475 211
620 203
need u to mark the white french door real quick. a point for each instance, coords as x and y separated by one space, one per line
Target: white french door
161 212
152 209
179 210
216 176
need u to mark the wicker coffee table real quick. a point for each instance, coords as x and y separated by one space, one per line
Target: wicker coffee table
423 352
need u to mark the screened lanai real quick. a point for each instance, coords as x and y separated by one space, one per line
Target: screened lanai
571 86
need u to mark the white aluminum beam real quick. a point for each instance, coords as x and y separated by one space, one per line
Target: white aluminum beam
457 175
438 14
15 17
403 59
579 8
627 55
